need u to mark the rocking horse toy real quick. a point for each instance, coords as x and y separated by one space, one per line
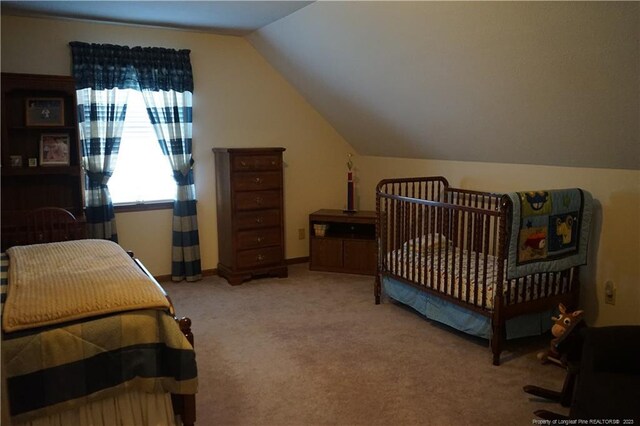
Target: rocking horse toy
561 329
564 351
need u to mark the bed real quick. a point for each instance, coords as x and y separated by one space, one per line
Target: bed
89 337
458 257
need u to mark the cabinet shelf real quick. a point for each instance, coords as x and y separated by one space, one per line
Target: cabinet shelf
41 171
51 129
24 188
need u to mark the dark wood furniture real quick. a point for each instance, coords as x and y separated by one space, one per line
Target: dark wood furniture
26 188
442 241
52 224
348 244
603 377
250 205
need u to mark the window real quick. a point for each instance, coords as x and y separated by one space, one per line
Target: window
143 173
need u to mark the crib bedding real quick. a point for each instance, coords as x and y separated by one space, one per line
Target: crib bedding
452 266
52 368
419 259
418 262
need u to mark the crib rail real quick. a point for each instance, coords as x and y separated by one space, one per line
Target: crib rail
457 230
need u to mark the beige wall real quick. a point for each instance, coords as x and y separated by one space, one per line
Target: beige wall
239 101
614 252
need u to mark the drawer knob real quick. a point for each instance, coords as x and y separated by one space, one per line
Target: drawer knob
260 258
259 219
259 239
274 162
258 200
243 163
258 180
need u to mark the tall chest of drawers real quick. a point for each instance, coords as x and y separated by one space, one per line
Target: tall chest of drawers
250 202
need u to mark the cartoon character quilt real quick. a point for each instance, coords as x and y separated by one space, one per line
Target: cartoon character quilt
549 231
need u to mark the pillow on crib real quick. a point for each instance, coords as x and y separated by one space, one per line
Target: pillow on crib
431 241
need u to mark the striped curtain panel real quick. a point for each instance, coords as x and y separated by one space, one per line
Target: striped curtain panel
103 73
168 91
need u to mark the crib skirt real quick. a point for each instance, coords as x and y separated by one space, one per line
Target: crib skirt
462 319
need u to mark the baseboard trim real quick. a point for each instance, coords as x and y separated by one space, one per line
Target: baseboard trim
214 271
297 260
210 272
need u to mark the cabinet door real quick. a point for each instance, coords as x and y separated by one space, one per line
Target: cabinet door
360 256
326 253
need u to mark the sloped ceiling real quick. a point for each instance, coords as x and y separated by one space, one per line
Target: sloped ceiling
548 83
222 17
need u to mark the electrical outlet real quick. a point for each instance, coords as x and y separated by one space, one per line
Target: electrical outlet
609 293
301 234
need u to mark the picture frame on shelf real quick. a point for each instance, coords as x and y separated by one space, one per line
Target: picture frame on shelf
54 150
44 112
16 160
33 162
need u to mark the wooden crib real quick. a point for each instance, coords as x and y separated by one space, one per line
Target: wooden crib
452 244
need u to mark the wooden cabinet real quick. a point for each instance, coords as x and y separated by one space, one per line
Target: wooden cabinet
250 205
348 243
34 106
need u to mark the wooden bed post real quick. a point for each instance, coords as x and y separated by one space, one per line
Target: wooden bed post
497 333
498 321
185 405
575 288
377 287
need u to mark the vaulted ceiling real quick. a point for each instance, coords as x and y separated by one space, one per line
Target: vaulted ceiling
548 83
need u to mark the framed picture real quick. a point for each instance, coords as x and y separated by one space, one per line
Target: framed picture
54 150
33 162
16 160
44 112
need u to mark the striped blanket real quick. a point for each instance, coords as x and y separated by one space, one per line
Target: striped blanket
53 368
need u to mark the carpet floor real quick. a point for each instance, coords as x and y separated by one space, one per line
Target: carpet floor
314 349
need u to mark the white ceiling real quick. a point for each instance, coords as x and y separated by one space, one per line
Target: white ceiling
222 17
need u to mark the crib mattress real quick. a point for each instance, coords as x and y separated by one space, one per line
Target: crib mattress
422 260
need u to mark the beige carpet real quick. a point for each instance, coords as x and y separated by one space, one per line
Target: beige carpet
314 349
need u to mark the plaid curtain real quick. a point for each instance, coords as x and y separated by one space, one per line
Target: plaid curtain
102 74
167 90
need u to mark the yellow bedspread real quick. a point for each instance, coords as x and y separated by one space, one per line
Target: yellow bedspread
59 282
